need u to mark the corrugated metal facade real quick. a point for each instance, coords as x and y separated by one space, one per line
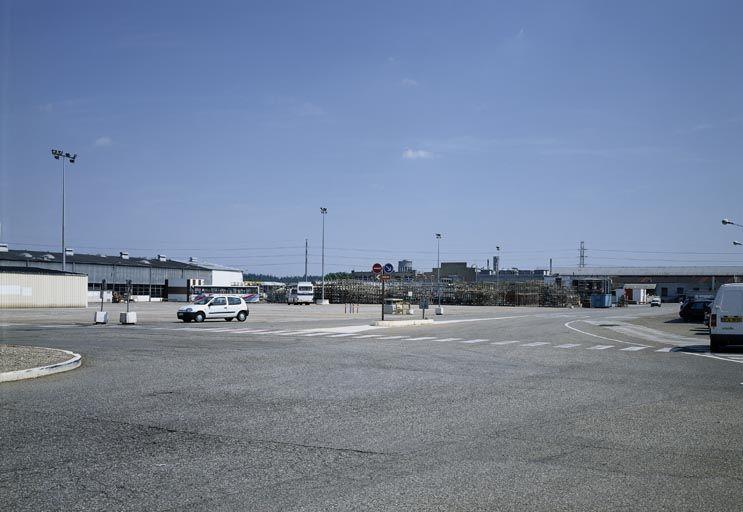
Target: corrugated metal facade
19 290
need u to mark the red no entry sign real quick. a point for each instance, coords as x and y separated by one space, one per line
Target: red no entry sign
377 268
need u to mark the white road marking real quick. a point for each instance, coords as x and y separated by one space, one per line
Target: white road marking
450 339
441 322
713 357
567 324
368 336
393 337
222 330
341 335
275 332
503 342
568 345
534 344
422 338
600 347
665 349
249 331
479 340
317 334
290 333
633 349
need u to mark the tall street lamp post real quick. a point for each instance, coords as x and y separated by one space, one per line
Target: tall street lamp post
61 155
439 310
324 212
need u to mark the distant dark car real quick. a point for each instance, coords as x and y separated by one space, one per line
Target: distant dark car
694 310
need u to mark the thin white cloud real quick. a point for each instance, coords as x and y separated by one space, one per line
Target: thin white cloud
103 142
409 82
416 154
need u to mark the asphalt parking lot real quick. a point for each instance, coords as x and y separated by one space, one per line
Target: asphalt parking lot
310 408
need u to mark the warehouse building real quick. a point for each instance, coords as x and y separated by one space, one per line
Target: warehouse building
28 287
671 283
149 276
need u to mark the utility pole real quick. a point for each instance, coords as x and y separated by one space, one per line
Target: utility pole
582 261
438 266
61 155
305 259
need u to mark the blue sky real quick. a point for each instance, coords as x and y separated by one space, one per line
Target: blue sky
218 129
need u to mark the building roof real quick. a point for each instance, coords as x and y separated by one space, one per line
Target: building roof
211 266
96 259
710 270
37 271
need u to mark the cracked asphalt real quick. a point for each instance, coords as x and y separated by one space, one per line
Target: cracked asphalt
164 416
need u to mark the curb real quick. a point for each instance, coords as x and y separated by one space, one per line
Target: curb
401 323
41 371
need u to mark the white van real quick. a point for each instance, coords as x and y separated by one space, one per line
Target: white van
300 293
726 317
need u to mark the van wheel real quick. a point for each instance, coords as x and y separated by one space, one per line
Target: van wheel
241 316
715 345
199 317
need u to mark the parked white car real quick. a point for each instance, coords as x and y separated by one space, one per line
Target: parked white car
216 306
655 301
726 317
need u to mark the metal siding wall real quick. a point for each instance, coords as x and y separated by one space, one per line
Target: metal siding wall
43 291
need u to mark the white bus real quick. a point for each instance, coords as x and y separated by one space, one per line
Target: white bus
300 293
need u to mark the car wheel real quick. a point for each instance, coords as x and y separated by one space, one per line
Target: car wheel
199 317
229 319
241 316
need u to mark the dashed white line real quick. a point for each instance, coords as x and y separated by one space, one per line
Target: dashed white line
534 344
600 347
633 349
503 342
568 345
422 338
368 336
393 337
317 334
450 339
341 335
479 340
665 349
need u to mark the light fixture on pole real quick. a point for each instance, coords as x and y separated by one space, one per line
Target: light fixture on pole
61 155
439 309
726 222
324 212
735 242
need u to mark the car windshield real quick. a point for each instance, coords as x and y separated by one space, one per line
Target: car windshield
200 301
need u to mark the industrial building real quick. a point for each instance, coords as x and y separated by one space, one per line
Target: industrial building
671 283
149 276
29 287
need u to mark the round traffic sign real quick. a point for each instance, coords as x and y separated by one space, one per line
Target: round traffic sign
388 268
377 268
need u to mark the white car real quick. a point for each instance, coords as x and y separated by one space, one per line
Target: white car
655 301
216 306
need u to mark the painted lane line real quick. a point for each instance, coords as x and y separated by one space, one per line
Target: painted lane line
422 338
341 335
394 337
568 345
441 322
247 331
666 349
535 344
479 340
503 342
363 336
713 357
567 324
317 334
450 339
600 347
274 332
290 333
632 349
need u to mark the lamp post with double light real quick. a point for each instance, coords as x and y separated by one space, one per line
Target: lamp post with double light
58 154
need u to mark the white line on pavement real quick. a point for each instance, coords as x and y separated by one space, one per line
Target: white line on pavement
633 349
503 342
393 337
535 344
450 339
479 340
600 347
567 324
368 336
317 334
568 345
422 338
665 349
342 335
